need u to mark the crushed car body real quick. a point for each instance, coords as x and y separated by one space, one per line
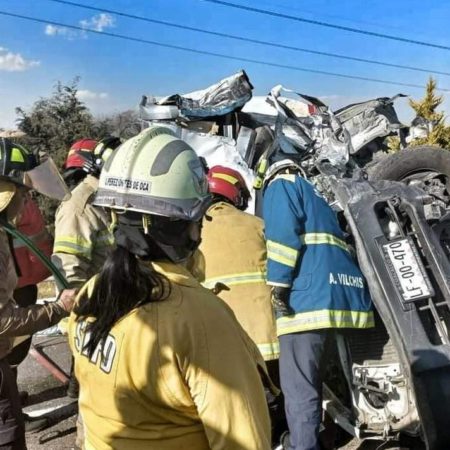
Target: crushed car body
394 378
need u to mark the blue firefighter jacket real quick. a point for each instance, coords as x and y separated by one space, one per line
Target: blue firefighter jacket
306 252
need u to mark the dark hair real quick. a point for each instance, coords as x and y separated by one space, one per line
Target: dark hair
123 284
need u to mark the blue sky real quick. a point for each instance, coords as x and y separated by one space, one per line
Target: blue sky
115 73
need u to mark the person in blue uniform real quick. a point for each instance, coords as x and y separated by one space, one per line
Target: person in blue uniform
316 287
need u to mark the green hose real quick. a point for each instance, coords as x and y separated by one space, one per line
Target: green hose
61 282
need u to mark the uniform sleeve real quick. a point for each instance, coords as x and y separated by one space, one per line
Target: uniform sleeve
283 218
73 246
16 321
226 387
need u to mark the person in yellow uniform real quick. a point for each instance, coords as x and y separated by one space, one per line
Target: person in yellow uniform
20 171
162 363
82 235
231 261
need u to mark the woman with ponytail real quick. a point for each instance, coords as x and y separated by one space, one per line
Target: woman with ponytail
162 363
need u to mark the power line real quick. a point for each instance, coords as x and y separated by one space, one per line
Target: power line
245 39
327 24
208 53
278 5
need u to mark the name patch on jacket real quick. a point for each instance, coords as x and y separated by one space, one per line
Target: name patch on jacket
103 356
346 280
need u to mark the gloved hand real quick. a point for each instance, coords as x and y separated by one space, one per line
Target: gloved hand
280 301
67 299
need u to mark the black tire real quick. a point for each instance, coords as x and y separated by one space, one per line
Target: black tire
404 163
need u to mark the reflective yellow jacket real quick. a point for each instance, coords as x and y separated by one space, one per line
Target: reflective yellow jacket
175 374
233 253
82 235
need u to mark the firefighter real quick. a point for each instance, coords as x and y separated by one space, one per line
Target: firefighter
31 271
232 262
20 171
82 235
162 362
316 286
233 258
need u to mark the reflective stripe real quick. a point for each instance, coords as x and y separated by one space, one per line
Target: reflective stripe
71 249
16 155
282 253
226 177
285 176
73 246
314 320
323 238
269 351
276 283
17 243
236 279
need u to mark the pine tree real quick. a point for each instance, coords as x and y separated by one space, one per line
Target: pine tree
438 133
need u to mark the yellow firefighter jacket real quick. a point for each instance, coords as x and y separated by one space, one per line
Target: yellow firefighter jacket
82 235
233 253
19 321
175 374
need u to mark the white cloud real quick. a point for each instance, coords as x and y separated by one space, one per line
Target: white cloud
15 62
87 95
55 30
98 22
52 30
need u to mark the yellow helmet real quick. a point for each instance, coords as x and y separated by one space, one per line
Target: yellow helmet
155 173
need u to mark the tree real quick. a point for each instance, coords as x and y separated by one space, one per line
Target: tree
124 124
428 127
431 122
52 125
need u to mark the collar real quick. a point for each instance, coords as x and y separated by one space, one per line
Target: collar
175 273
91 181
220 207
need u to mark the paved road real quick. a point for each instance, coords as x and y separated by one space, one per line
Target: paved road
47 397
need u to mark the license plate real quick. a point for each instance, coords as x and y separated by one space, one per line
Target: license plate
407 270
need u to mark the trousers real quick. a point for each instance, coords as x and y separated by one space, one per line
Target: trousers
301 382
12 429
275 403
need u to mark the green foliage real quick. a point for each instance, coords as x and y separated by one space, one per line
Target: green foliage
393 144
54 123
437 133
123 124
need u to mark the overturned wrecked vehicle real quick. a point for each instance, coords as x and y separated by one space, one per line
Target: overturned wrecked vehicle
394 378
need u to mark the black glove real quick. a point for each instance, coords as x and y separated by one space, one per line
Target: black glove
280 301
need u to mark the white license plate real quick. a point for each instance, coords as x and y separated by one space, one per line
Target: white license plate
407 270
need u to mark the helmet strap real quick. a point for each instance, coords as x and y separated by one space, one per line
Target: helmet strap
146 223
114 221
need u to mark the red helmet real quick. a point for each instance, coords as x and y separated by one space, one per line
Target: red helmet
230 184
74 159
